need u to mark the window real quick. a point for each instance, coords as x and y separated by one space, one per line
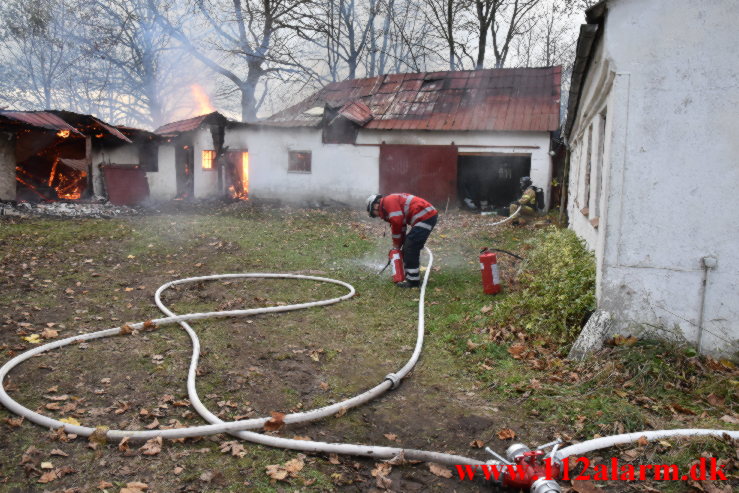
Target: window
209 158
299 162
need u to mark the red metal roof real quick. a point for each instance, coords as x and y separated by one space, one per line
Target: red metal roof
182 126
521 99
40 119
356 111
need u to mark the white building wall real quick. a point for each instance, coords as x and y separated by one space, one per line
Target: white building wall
125 154
163 183
349 173
671 172
340 172
206 181
7 166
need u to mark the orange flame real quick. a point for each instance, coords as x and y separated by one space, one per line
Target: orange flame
201 98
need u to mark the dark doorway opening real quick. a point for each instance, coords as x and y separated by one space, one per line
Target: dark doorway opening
184 167
490 180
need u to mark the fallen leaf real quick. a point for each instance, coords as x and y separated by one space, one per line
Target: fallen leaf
642 441
234 447
56 474
14 422
584 487
47 465
178 470
123 444
471 346
275 422
440 470
33 339
49 333
729 419
624 341
516 350
70 421
391 436
294 466
477 444
152 425
104 485
152 447
381 469
715 400
506 434
486 308
334 459
323 385
276 472
341 412
56 451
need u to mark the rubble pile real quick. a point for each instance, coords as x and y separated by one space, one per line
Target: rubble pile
65 209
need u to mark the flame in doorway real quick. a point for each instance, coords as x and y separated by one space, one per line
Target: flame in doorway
201 99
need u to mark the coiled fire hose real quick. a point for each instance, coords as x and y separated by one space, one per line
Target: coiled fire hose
239 428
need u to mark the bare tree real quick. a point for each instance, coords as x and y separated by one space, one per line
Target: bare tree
34 39
510 20
125 36
446 18
244 41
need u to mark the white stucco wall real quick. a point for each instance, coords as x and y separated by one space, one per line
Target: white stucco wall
340 172
349 173
163 183
7 166
206 181
671 173
125 154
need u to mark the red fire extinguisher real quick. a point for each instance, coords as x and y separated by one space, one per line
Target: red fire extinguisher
490 272
396 260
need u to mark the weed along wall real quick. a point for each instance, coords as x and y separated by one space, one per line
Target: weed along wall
654 170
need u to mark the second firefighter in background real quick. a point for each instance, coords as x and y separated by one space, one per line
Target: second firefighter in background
402 210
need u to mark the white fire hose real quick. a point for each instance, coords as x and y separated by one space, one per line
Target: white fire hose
503 221
239 428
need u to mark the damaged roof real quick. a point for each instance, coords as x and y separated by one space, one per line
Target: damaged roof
63 120
521 99
175 128
39 119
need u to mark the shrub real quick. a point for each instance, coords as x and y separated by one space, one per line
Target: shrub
558 288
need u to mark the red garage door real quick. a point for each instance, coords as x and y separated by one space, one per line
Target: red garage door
427 171
126 185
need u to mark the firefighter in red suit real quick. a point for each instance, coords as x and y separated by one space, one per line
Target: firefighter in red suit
402 210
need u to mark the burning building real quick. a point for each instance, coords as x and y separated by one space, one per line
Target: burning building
60 155
196 164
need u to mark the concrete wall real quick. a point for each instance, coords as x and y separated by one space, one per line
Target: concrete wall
7 166
206 181
340 172
163 183
670 172
349 173
125 154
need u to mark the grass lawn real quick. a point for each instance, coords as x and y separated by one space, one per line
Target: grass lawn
492 366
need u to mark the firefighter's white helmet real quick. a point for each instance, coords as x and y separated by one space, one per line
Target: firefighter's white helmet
370 202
